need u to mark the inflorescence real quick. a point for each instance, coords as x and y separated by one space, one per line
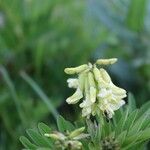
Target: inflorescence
96 88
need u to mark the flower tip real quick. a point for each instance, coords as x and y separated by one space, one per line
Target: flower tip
68 71
106 61
47 135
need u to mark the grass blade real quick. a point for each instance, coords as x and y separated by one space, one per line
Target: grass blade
13 93
41 94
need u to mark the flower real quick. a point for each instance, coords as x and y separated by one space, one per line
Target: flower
96 88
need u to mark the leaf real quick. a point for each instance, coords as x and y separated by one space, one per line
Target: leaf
130 141
144 135
27 143
13 93
130 120
107 127
64 125
43 128
117 116
137 138
91 146
121 124
38 139
91 129
136 14
131 102
145 108
98 134
121 137
138 124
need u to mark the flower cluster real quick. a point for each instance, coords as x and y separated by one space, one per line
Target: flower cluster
96 88
69 140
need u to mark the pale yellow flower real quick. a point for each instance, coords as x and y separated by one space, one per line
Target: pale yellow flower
96 88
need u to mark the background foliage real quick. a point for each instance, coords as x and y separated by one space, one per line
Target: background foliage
38 39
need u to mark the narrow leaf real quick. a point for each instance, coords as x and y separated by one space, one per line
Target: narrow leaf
38 139
64 125
131 102
27 143
43 128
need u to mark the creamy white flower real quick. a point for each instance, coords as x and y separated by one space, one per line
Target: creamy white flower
97 89
73 83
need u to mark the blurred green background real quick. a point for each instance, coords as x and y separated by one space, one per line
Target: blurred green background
39 38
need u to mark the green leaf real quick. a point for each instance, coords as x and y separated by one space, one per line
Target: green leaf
64 125
91 129
13 93
121 137
27 143
106 127
43 128
144 135
118 115
146 124
131 102
121 124
91 146
144 109
138 124
137 138
98 134
130 120
136 14
38 139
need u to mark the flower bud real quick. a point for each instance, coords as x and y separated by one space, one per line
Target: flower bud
118 91
92 94
56 136
81 79
76 70
91 79
105 75
75 97
98 77
76 132
106 61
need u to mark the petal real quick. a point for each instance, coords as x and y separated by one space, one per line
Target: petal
104 93
86 111
75 97
106 61
92 94
105 75
73 83
76 69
